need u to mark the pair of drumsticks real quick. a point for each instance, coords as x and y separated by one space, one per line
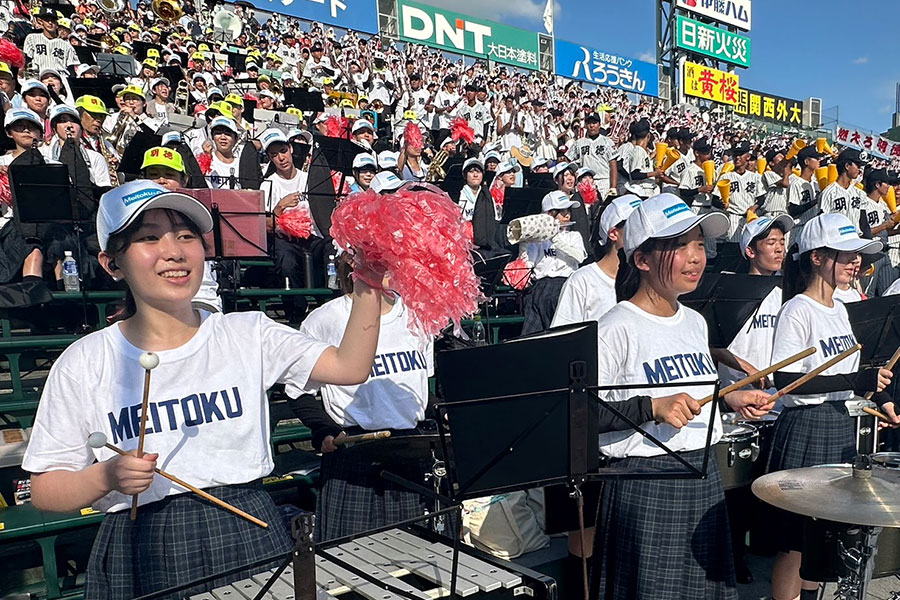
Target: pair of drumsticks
805 378
149 361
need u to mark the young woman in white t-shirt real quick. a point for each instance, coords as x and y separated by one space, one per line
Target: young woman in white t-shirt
815 428
208 415
663 538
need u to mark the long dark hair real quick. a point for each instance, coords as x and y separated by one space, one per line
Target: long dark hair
120 242
628 279
798 272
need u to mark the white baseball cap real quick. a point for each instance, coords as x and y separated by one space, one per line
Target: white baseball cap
506 167
666 216
361 124
33 84
272 135
83 68
63 109
557 200
492 155
171 137
120 206
364 159
584 171
760 226
223 122
385 181
23 114
835 231
539 162
268 94
563 166
472 162
158 81
387 159
617 212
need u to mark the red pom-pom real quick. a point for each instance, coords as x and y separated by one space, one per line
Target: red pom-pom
498 192
204 159
296 222
469 230
5 193
418 239
412 136
587 191
460 129
517 274
11 55
338 127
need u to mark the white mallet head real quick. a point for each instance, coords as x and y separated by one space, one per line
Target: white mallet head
149 360
97 439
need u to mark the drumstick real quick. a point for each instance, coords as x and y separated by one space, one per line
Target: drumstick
149 361
760 374
877 413
889 366
375 435
815 372
98 440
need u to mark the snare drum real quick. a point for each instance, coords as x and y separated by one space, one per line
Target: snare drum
765 427
735 453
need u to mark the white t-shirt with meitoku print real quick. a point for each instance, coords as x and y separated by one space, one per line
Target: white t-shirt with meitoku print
208 414
636 347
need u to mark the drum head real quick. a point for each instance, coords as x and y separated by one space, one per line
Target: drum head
888 460
738 433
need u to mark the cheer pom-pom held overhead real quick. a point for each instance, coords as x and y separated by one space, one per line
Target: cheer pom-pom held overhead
416 237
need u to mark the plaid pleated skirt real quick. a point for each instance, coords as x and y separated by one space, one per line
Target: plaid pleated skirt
663 539
540 304
355 498
182 538
806 436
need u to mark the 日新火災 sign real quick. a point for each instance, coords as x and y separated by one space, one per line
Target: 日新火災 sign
720 44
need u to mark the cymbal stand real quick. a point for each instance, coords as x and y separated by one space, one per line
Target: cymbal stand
860 561
437 475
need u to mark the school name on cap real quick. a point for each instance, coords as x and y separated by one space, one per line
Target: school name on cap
675 209
847 230
133 197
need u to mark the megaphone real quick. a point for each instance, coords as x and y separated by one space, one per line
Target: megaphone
822 177
761 165
890 199
532 228
661 149
724 191
727 168
822 146
796 147
832 173
671 156
709 171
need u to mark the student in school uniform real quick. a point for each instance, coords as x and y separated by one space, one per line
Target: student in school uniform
208 415
354 497
814 428
553 260
663 538
746 190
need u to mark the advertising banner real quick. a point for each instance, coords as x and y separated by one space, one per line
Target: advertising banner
602 68
711 84
767 107
730 12
360 15
453 32
720 44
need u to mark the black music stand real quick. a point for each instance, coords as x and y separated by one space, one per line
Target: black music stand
96 86
876 325
540 181
116 65
521 202
728 301
45 194
133 157
728 258
139 49
305 100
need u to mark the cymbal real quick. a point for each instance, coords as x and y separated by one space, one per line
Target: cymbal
832 492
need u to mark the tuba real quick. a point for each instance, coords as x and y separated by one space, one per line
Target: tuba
111 6
167 10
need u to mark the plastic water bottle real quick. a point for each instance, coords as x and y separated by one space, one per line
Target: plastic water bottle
478 333
331 273
70 273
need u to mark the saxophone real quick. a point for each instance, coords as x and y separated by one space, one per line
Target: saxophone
113 176
436 167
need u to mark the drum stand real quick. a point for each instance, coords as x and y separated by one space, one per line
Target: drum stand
860 561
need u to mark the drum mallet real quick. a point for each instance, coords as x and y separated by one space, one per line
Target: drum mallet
149 361
760 374
98 440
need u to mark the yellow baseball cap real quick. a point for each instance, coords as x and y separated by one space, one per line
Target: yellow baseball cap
149 62
152 53
64 23
234 99
346 103
410 115
327 81
163 157
223 107
197 56
91 104
293 110
88 22
133 89
203 48
121 50
5 70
